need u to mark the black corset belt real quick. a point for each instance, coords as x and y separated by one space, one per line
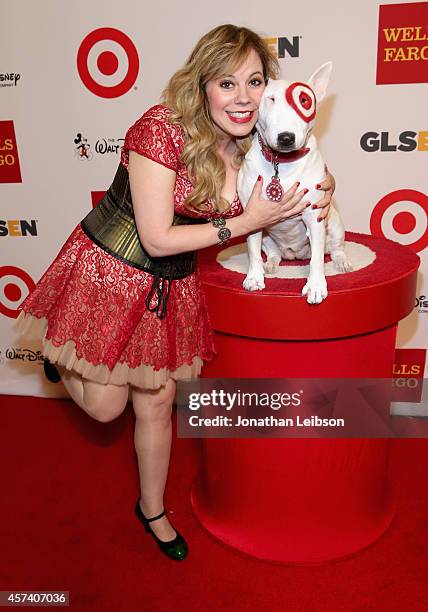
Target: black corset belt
111 225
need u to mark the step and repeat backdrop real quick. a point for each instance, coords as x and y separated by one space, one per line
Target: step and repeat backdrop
74 77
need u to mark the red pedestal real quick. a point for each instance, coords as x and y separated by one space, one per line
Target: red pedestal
302 500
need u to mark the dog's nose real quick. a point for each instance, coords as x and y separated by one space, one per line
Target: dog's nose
286 139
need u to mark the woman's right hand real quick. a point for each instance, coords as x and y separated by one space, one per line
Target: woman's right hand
260 213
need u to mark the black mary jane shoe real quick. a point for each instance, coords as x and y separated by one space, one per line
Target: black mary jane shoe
174 549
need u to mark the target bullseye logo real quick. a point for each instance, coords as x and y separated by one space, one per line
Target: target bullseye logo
15 285
107 62
402 216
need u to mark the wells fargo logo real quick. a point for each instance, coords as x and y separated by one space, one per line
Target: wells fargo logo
408 374
409 363
402 54
10 172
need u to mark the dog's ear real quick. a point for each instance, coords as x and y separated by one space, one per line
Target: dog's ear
319 80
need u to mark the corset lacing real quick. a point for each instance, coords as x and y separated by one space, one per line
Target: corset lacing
162 287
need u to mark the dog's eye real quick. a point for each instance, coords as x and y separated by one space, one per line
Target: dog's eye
305 101
272 98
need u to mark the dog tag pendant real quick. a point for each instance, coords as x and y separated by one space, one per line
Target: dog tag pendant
274 190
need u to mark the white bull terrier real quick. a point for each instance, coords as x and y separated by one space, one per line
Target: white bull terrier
284 151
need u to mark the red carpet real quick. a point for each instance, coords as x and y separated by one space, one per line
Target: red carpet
69 487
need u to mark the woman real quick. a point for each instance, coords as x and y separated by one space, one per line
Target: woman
122 304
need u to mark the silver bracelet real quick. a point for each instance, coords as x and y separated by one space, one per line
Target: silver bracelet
224 232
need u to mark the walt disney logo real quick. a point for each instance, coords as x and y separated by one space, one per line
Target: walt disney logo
25 354
422 303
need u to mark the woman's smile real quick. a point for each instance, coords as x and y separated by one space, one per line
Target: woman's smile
240 116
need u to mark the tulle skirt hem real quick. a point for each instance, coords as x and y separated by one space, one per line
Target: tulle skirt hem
143 376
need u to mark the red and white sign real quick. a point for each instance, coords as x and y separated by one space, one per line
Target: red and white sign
402 216
107 62
15 285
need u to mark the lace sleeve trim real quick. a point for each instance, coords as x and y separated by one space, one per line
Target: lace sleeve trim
150 137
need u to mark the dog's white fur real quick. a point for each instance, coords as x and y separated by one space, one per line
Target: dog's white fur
301 236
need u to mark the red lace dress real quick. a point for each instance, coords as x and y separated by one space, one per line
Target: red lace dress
89 307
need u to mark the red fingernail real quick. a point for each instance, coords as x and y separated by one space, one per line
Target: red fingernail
314 206
259 178
318 186
308 204
305 190
319 219
298 183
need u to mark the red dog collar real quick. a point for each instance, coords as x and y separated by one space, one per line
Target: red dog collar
273 156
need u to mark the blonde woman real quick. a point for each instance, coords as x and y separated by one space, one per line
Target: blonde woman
122 304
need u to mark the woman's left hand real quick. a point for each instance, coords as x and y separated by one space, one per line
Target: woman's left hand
328 185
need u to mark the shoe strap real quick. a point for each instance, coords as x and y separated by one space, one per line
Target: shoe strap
154 518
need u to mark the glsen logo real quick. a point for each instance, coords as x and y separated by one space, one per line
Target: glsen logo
402 55
422 304
18 227
107 62
405 141
103 146
15 285
9 79
282 46
402 216
10 172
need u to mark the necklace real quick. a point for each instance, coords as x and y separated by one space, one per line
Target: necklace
274 190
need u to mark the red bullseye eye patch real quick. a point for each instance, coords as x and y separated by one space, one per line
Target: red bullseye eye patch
302 99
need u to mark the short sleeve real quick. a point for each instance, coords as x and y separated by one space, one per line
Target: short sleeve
151 136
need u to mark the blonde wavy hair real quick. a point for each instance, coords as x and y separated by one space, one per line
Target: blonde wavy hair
217 54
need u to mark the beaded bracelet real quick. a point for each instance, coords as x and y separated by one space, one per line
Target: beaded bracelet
224 232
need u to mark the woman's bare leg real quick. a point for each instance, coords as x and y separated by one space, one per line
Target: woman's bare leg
102 402
152 437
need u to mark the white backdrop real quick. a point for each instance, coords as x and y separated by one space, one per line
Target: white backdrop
43 94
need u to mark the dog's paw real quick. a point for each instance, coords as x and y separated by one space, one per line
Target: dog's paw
254 282
341 262
271 265
315 290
